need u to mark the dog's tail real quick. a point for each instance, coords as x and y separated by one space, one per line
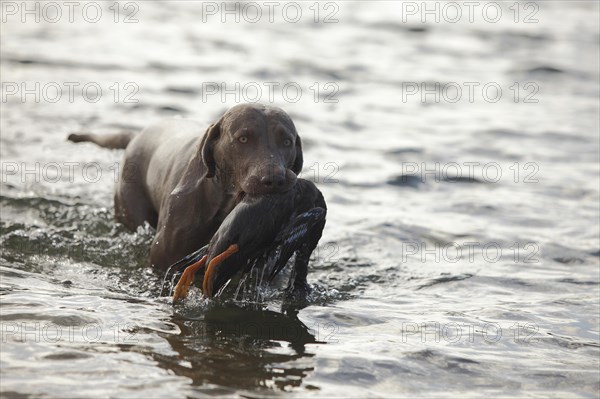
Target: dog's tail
112 141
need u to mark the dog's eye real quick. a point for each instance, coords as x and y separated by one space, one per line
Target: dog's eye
243 139
287 142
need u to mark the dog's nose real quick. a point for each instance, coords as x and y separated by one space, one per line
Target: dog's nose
273 180
269 179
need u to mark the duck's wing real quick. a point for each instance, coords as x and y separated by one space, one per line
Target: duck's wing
302 230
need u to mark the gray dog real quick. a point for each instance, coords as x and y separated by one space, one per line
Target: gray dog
185 182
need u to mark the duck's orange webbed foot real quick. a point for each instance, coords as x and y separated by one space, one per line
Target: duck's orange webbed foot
207 285
187 278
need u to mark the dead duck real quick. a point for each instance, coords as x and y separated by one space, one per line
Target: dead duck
265 229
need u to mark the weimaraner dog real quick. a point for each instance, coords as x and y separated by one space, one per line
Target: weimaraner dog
184 182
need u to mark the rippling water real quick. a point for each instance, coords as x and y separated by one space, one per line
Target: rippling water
461 254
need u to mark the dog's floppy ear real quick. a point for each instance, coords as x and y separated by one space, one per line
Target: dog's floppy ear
210 137
299 161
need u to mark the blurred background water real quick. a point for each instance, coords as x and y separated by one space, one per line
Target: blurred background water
459 159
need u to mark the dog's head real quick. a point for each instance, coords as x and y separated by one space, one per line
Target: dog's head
254 149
